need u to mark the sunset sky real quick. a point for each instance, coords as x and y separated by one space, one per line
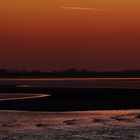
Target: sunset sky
62 34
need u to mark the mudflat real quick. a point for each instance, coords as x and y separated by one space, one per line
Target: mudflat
85 125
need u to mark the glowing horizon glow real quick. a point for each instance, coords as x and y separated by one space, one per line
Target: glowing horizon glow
54 35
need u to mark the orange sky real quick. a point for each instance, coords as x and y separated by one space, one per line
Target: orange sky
61 34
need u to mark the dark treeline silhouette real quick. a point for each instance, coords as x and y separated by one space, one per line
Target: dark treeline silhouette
67 73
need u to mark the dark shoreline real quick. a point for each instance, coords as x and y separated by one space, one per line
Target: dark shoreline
72 99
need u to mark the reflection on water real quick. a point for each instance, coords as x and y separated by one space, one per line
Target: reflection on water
76 82
17 96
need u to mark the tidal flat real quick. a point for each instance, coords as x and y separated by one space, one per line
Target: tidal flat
84 125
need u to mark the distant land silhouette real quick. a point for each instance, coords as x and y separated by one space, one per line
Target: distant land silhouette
70 73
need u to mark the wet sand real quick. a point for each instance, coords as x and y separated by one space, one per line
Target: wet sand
53 123
89 125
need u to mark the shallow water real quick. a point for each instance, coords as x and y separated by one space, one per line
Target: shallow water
76 82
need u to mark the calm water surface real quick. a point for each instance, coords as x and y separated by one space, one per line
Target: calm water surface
76 82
